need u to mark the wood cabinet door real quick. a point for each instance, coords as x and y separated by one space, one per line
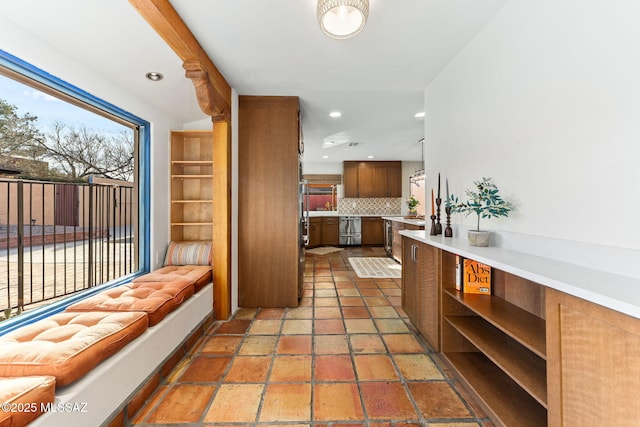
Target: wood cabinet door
330 231
372 178
350 179
593 363
373 231
394 179
315 232
427 275
409 280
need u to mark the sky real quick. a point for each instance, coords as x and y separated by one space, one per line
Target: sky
49 109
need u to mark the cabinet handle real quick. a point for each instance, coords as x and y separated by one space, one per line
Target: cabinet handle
414 249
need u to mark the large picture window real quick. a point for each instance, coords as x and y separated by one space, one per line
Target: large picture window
73 193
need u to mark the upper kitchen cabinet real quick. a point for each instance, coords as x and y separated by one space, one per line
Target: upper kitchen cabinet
372 179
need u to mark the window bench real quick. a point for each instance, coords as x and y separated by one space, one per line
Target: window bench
106 391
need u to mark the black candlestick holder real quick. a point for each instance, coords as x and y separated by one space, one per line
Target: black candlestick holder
448 231
434 230
438 224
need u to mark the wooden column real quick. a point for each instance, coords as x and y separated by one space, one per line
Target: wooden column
222 219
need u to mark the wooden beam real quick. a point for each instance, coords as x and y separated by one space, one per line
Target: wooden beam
212 90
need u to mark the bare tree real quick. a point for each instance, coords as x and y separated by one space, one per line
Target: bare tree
73 153
80 152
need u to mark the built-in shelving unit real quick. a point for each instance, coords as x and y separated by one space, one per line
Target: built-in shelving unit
191 185
497 345
554 344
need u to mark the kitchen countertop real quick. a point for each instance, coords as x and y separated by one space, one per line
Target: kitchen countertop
412 221
610 290
313 214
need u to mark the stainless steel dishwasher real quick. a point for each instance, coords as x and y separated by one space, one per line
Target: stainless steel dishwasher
350 230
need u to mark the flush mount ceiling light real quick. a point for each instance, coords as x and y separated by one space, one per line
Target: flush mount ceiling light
335 114
418 115
154 77
342 19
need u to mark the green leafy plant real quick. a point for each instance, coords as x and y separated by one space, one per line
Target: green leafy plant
485 202
412 203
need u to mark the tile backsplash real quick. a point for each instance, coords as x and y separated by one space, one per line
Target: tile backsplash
370 206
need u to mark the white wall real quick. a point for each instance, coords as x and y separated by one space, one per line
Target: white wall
322 168
546 100
39 53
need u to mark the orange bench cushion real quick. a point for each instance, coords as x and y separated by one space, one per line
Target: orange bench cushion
157 299
24 396
199 275
67 345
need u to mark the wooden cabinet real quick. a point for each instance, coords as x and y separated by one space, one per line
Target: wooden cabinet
372 179
350 179
330 230
191 185
372 231
496 345
324 231
396 244
315 232
421 288
593 363
269 230
530 355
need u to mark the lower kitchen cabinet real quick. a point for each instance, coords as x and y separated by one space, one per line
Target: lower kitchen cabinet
330 230
421 288
324 231
396 247
315 232
372 231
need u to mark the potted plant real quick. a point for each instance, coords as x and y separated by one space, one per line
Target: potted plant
485 202
412 203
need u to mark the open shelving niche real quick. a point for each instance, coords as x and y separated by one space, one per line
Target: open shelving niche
497 344
191 185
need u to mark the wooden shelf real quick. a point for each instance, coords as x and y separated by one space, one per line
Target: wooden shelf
191 223
522 326
192 162
192 176
499 394
192 201
524 367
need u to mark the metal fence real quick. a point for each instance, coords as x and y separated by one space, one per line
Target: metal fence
60 238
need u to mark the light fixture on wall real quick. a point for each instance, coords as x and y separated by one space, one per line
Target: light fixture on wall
342 19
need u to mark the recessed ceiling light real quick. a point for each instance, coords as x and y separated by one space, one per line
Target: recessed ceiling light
325 157
154 76
418 115
335 114
369 157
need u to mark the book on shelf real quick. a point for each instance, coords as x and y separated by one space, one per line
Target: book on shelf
476 278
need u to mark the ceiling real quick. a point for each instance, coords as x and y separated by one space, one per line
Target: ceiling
275 47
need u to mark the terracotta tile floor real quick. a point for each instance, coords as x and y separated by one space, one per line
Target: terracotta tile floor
346 357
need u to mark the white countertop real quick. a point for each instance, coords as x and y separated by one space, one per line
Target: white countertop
413 221
336 213
614 291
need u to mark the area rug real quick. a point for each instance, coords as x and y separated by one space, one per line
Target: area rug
378 268
324 250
